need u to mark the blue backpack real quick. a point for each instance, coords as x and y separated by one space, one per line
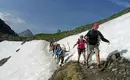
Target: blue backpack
58 51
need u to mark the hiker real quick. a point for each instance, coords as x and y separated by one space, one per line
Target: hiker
93 40
81 48
60 53
52 46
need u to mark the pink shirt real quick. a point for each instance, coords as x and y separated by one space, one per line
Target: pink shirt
81 44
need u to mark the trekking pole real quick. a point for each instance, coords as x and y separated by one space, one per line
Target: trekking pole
68 46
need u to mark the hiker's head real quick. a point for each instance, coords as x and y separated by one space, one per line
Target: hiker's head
63 48
95 26
58 46
55 43
81 36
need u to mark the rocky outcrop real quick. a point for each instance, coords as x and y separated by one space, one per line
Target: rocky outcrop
26 33
5 29
4 60
116 70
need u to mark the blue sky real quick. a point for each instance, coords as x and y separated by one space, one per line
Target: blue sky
47 16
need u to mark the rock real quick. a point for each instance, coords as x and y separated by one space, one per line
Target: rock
109 78
127 78
91 67
110 67
17 50
26 33
94 71
4 60
127 71
114 69
115 79
122 65
5 29
121 60
120 72
116 72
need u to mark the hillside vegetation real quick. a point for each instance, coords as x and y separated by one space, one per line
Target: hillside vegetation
61 34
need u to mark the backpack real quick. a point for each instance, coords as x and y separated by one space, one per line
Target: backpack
58 51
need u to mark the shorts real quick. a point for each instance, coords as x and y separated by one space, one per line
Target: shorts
92 49
81 50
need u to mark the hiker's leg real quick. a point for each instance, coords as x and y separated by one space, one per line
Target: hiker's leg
62 59
92 53
53 50
89 52
84 55
97 51
56 56
58 59
79 53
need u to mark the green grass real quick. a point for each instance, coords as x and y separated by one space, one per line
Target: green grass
70 71
12 38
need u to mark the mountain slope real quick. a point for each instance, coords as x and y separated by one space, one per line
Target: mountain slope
5 29
26 33
6 33
32 62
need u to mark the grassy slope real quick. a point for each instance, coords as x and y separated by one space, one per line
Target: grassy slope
116 70
70 71
80 29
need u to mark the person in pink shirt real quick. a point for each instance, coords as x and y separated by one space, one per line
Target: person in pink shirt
81 48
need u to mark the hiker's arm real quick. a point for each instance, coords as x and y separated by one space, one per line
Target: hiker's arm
102 37
86 36
76 44
85 41
69 47
66 51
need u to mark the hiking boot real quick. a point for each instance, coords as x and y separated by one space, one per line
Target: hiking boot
61 65
98 66
84 63
87 66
